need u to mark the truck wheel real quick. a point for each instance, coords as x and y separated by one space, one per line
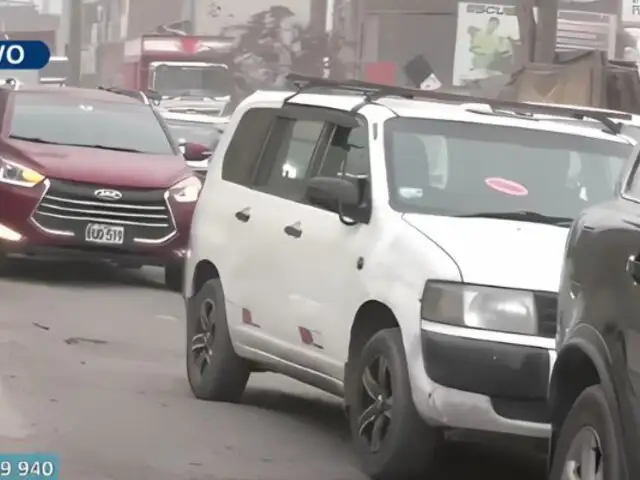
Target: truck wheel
587 446
174 276
214 369
391 439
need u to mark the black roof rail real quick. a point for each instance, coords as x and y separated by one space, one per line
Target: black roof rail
135 94
374 91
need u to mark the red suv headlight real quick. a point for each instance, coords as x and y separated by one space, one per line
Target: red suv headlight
15 174
187 190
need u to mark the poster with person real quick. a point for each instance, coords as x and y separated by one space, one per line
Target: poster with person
486 39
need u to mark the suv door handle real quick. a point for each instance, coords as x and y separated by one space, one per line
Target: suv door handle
244 215
293 230
633 268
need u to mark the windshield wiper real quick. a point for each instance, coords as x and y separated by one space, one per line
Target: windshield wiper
33 140
99 147
104 147
525 215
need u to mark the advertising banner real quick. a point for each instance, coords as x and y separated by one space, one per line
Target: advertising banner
488 38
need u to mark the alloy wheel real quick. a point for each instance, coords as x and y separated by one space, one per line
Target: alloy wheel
202 341
584 460
376 403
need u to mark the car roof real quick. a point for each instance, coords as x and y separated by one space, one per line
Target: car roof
95 94
435 110
193 117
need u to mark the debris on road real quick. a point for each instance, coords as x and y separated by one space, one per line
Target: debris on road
77 340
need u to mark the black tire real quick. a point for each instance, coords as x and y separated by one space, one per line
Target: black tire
409 445
174 277
225 376
590 411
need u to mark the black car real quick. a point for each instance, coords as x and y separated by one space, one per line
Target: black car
595 384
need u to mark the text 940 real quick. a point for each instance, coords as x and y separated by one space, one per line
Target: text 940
28 466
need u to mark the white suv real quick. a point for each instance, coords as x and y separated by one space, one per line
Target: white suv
403 254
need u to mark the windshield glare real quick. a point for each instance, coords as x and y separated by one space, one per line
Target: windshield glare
193 132
67 120
182 81
454 168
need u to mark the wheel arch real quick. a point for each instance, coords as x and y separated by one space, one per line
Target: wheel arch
579 365
204 271
371 317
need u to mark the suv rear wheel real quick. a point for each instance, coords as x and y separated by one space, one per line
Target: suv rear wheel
587 446
214 369
391 439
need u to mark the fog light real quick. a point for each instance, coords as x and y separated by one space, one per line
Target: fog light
7 234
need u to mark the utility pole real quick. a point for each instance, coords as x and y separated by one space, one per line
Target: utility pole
193 15
547 28
74 47
538 36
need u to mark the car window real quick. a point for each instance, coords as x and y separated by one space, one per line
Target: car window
286 162
455 168
68 120
347 154
241 157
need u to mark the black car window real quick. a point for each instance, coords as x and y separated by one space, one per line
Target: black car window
70 120
286 162
241 156
193 132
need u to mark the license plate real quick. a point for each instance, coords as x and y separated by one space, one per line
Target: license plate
105 234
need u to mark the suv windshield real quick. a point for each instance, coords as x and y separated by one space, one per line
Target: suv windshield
192 80
195 132
465 169
67 120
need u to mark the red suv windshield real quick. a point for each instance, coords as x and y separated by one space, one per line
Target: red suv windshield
65 120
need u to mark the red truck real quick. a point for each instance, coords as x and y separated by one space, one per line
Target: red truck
183 68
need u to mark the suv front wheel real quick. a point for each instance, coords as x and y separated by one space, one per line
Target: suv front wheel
214 369
391 439
587 446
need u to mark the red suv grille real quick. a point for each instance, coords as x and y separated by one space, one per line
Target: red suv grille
70 206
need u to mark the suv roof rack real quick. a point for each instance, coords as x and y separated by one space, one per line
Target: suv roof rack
148 98
375 91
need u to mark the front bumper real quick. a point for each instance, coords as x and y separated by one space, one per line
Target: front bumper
482 380
29 227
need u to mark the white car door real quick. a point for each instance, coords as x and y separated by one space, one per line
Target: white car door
279 186
325 258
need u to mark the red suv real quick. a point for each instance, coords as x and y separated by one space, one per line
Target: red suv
92 174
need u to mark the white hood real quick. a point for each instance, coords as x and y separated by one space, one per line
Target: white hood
505 253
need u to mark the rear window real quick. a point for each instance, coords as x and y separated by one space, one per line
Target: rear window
66 120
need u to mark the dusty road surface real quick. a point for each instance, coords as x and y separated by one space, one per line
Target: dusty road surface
92 368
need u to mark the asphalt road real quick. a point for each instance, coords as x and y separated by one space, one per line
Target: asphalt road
92 368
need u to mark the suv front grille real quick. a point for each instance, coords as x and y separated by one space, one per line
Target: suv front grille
547 308
70 206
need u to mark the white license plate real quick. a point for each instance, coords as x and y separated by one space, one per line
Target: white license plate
105 234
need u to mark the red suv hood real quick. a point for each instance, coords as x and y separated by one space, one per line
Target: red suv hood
102 167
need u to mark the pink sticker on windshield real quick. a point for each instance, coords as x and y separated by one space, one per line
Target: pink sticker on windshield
508 187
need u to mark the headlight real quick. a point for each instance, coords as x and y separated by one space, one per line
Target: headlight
16 174
487 308
187 190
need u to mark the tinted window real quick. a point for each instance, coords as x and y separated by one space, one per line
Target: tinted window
286 162
241 156
453 168
70 120
192 80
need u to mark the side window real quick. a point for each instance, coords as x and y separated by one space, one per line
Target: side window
348 154
242 156
286 160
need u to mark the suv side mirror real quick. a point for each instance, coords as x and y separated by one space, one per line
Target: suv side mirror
335 193
194 152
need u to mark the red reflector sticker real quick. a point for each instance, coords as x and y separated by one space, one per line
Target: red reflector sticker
508 187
